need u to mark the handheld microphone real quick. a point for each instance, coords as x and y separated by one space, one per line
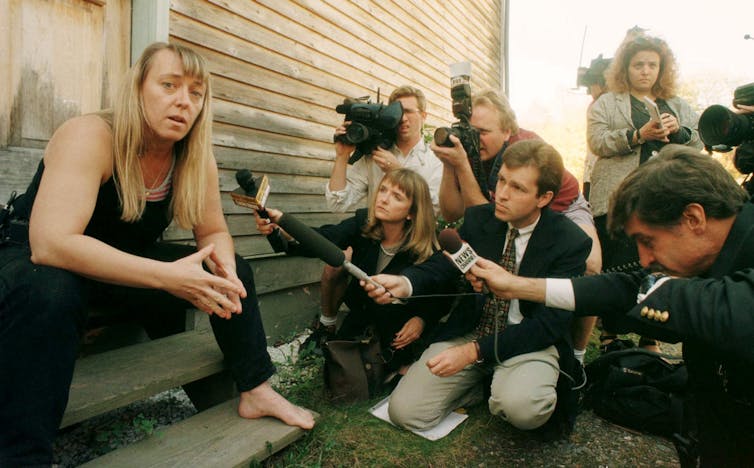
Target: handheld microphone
323 248
461 253
252 193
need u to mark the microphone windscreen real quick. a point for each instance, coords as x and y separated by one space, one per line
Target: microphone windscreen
245 179
449 240
312 240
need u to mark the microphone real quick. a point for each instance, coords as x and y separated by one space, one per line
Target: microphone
323 248
461 253
252 193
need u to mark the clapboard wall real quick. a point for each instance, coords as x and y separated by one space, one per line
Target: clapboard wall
279 69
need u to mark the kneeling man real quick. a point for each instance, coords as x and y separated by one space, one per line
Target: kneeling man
523 346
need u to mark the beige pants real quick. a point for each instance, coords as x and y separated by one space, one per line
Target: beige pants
523 390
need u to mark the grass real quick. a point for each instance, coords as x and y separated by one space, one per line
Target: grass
348 435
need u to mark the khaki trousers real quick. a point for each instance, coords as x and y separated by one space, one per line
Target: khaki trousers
523 390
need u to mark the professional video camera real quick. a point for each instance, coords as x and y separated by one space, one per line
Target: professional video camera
372 125
594 74
721 129
460 92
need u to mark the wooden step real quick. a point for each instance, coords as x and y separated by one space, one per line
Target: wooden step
217 437
110 380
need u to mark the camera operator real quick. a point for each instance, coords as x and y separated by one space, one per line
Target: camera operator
691 220
349 187
496 122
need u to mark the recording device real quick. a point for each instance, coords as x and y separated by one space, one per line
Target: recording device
461 253
372 125
323 248
460 93
653 110
721 130
594 74
252 192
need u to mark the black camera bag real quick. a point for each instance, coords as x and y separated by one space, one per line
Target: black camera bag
637 389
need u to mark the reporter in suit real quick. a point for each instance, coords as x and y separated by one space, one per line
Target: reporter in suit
692 221
526 351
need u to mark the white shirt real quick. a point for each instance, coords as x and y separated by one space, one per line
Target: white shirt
363 177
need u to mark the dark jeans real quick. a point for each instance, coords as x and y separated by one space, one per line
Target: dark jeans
42 315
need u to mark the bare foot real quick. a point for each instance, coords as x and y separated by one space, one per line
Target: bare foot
263 400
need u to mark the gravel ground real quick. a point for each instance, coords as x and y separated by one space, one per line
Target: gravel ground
594 442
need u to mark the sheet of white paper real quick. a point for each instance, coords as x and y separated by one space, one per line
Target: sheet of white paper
438 432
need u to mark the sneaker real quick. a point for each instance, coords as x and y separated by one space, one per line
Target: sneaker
312 346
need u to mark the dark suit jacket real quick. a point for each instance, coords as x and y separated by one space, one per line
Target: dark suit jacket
557 248
714 317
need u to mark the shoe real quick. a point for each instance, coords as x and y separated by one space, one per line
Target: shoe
312 346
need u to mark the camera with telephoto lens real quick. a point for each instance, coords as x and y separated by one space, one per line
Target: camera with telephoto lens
372 125
460 93
721 130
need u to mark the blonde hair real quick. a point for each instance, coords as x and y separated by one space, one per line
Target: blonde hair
419 232
500 103
617 73
409 91
192 153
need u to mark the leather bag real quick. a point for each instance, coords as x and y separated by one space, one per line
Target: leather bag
354 369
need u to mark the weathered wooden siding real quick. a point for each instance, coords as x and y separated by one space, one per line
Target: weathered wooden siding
58 59
279 69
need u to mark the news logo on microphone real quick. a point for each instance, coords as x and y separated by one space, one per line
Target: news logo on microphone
460 253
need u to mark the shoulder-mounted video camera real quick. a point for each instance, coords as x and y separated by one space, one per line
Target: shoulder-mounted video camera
721 130
594 74
372 125
460 92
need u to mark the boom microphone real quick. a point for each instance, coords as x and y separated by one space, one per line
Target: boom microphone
323 248
461 253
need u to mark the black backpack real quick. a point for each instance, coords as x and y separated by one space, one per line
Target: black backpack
637 389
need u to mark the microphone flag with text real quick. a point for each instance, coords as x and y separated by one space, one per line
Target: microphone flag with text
461 253
252 193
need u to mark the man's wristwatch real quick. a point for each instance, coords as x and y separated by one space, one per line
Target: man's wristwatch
639 139
479 358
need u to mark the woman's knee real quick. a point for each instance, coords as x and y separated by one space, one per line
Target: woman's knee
52 296
523 410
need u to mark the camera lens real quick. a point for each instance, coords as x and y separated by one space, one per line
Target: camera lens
720 126
357 133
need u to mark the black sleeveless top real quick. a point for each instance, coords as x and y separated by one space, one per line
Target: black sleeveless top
105 223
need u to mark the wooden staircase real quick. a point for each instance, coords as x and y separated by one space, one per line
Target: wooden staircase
216 436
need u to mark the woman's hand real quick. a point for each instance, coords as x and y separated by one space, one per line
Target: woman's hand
410 332
670 123
266 225
218 293
652 131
